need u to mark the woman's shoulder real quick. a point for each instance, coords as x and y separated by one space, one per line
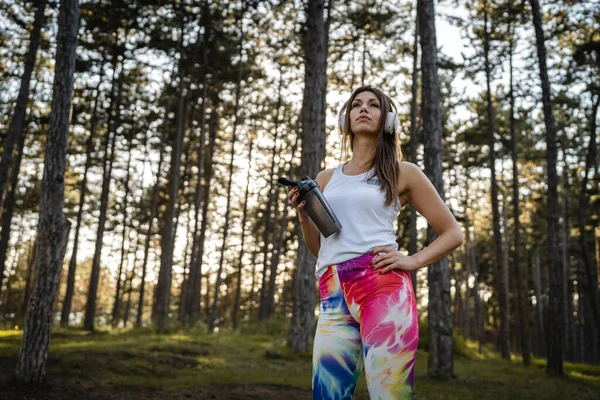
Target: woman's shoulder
408 171
324 177
407 167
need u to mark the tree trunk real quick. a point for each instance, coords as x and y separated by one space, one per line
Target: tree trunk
238 287
117 300
10 206
53 228
160 309
238 91
153 210
278 245
129 281
185 174
89 147
467 307
312 117
196 285
17 123
186 267
556 320
30 268
109 157
539 301
501 283
252 290
520 286
457 301
441 360
263 312
414 145
569 327
590 282
194 278
363 71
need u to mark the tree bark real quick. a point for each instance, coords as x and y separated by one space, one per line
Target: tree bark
53 228
117 300
17 123
556 318
109 157
279 244
501 282
238 286
521 288
414 146
263 311
89 147
10 207
153 210
28 279
238 91
160 309
441 361
194 278
208 168
590 282
312 117
539 302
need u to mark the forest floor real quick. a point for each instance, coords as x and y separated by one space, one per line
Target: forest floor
140 364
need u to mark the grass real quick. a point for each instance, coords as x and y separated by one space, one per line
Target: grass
188 360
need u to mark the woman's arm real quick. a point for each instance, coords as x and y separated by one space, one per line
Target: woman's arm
422 195
312 236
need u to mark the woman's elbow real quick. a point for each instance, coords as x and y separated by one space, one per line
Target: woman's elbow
458 235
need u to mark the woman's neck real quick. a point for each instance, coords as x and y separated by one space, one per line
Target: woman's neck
362 155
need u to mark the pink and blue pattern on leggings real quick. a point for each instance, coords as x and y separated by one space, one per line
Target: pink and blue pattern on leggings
367 320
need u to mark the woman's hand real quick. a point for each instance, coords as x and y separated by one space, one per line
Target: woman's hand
389 259
292 195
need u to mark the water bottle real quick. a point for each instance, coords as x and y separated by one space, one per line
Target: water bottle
316 206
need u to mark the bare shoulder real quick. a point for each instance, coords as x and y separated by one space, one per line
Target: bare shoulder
409 173
324 177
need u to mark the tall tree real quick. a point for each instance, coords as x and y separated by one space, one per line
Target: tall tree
441 359
151 217
191 294
110 140
555 323
238 92
501 272
160 309
238 287
414 142
263 311
312 116
89 147
17 123
124 238
520 283
6 217
53 227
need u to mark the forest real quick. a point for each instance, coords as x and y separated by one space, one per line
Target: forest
147 250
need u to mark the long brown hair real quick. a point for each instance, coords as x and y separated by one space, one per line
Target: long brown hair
388 153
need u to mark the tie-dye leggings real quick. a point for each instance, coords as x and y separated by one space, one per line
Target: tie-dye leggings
369 319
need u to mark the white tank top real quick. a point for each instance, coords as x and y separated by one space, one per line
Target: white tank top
359 205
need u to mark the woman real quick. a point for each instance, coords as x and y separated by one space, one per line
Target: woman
368 314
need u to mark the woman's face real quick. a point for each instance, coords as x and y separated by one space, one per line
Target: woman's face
365 112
